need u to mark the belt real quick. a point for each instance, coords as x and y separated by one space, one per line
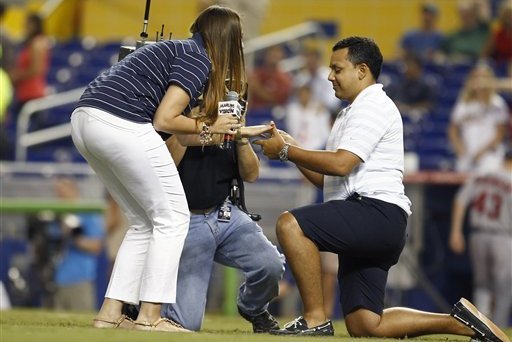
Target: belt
203 211
355 196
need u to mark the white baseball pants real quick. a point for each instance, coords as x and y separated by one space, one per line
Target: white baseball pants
134 164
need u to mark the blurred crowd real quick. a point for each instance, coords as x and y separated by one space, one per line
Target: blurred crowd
431 71
475 123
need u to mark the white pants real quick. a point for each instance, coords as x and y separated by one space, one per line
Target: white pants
134 164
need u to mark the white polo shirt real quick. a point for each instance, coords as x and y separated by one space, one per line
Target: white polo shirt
371 128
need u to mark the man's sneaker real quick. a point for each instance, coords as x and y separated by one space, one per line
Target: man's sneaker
484 329
262 323
300 327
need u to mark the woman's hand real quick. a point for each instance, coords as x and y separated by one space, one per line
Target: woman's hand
253 131
226 124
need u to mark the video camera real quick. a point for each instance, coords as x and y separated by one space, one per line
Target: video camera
126 50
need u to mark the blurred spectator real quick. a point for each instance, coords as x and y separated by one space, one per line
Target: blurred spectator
29 74
82 241
467 42
252 12
488 198
484 9
6 91
478 123
269 86
307 119
315 73
426 41
414 93
115 228
6 45
310 123
5 100
499 44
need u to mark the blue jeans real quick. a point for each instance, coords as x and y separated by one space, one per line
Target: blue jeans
239 243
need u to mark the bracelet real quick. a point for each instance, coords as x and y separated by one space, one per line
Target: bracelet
238 134
283 154
205 136
239 139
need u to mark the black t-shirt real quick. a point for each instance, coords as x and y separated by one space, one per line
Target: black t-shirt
206 175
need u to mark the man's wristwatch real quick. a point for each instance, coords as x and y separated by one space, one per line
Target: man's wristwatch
283 154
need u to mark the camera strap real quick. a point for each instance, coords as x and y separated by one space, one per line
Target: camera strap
237 193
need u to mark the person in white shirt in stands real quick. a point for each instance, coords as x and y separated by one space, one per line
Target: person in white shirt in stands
315 74
364 214
479 123
309 122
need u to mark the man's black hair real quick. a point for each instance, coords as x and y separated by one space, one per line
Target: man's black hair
362 50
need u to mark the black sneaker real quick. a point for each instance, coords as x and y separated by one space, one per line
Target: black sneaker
299 326
485 330
262 323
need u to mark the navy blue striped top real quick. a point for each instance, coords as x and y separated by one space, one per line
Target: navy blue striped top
133 88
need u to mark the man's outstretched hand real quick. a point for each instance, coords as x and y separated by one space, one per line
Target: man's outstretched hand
273 145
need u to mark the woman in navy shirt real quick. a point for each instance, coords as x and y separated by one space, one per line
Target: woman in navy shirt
117 127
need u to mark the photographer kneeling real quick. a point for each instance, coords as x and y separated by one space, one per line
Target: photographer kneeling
221 230
76 266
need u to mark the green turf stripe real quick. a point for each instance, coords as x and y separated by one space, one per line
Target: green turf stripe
230 291
24 206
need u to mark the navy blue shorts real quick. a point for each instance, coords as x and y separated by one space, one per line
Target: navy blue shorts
367 234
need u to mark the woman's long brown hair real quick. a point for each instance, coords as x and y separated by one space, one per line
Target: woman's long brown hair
221 31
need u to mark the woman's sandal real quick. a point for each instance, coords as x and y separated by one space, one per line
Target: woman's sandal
124 322
162 324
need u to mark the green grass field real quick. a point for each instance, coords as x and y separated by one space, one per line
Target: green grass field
38 325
